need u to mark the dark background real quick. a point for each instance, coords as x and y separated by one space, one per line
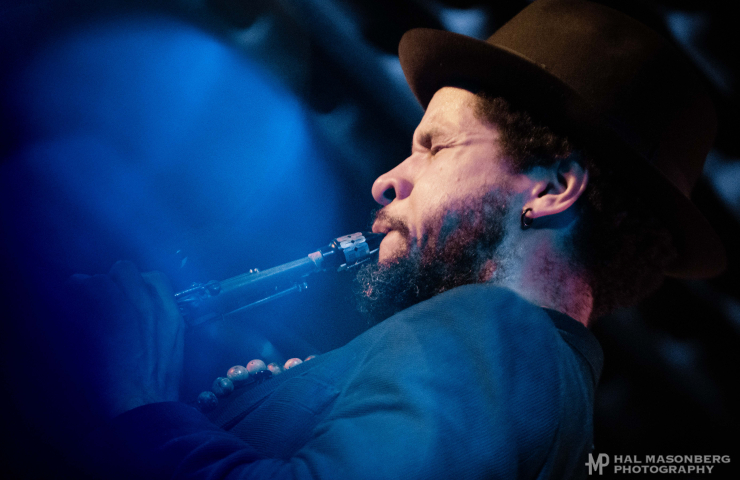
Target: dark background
207 137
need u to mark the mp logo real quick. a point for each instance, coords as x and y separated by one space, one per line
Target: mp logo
601 461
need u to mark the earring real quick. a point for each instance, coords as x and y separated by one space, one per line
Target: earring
526 221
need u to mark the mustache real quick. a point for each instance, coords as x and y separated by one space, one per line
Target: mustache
394 223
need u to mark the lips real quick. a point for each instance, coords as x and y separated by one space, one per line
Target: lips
381 227
385 223
397 236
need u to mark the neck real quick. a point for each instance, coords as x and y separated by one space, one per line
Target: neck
541 275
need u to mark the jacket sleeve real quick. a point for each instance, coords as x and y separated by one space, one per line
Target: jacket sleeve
455 387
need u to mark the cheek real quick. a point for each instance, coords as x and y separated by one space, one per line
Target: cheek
442 183
448 185
431 199
451 180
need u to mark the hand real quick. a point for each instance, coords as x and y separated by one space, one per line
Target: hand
130 337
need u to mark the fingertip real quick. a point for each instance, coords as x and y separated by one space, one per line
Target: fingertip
159 280
122 267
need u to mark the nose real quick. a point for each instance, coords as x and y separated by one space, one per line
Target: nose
392 185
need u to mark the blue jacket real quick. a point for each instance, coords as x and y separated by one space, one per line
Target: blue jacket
473 383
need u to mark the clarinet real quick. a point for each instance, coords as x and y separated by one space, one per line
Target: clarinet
212 300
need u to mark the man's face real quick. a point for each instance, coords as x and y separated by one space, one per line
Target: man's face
449 213
455 157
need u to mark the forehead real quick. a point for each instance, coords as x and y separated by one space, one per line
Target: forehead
451 108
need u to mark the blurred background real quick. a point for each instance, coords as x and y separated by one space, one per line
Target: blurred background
204 138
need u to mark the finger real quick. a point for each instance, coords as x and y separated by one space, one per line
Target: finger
161 285
129 280
163 295
170 332
131 283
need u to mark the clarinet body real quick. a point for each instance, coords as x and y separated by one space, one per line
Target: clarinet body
215 299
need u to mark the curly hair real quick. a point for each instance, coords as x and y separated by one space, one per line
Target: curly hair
618 242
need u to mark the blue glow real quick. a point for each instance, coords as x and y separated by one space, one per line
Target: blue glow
470 21
150 136
685 28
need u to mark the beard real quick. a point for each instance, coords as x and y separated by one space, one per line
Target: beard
461 248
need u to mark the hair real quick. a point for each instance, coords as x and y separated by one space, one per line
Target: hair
618 242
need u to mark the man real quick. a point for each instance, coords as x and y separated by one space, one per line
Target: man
548 183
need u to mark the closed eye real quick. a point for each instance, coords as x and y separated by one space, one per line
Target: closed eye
435 149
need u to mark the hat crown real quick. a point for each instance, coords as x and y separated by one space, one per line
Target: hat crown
636 84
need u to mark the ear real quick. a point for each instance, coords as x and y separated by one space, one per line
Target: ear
561 186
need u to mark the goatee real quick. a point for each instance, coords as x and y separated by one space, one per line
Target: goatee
460 249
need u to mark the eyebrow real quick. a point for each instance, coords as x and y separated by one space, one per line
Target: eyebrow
425 137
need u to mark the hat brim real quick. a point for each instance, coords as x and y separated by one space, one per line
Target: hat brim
432 59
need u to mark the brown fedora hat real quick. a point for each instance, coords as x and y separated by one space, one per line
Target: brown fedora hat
608 82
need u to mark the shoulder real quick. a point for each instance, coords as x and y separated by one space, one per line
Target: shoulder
480 341
476 366
482 315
